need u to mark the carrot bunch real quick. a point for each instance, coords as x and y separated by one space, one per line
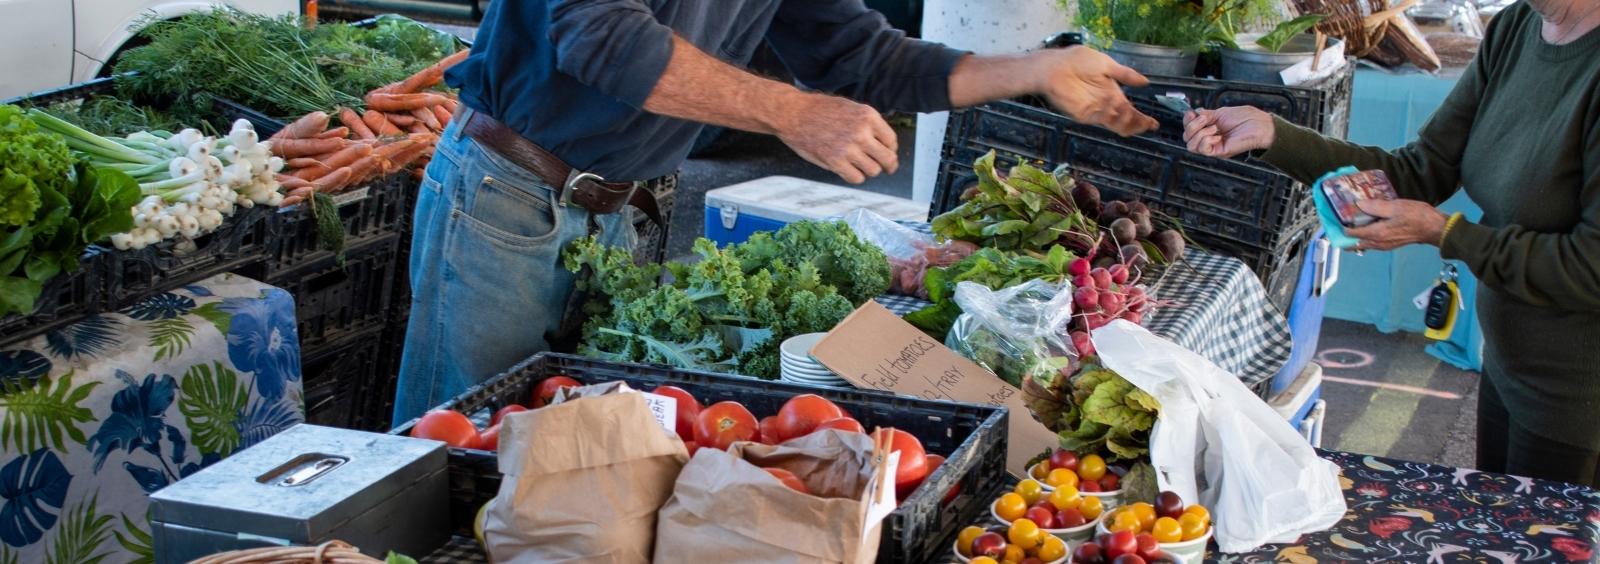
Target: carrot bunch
397 131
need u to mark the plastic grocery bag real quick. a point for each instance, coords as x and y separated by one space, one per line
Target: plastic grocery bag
896 240
726 508
1218 443
584 479
1013 331
911 253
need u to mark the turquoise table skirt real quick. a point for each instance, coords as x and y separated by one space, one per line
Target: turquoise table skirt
1378 288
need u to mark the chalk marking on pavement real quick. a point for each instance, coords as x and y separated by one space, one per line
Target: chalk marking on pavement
1381 423
1336 358
1397 387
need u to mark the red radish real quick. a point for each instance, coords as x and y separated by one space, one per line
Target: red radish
1086 298
1134 317
1081 341
1102 278
1083 281
1079 267
1111 302
1119 273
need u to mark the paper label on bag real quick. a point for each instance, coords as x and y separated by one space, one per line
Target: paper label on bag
875 349
664 409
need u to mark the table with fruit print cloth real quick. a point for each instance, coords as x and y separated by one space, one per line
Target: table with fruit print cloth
96 415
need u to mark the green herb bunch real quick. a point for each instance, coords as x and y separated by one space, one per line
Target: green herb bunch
729 310
1192 25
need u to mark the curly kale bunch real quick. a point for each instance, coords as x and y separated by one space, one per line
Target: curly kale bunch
729 310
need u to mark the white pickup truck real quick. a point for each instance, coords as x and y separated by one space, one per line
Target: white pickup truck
51 43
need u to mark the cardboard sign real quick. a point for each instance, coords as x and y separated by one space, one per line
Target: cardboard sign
875 349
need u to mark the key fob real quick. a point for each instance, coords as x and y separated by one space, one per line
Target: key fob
1437 316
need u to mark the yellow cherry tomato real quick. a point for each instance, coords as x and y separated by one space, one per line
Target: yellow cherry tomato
1192 526
1030 491
1024 534
984 560
1146 514
1061 477
1014 554
1166 529
1091 467
1201 511
1052 550
1065 497
1124 520
1091 507
1010 507
964 540
1040 470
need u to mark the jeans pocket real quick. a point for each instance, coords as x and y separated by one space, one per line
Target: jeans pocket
511 212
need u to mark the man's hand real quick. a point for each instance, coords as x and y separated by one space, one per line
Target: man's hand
848 138
1403 222
1087 85
1225 132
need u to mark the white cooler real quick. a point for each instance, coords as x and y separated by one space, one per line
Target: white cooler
735 212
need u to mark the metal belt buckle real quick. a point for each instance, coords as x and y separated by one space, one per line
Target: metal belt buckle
575 176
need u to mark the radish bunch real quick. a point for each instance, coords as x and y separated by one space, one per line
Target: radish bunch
1103 294
196 181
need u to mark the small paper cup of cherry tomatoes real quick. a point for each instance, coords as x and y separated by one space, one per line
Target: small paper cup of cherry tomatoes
1179 530
1012 543
1063 512
1089 474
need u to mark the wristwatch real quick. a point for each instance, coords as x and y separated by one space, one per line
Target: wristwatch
1063 40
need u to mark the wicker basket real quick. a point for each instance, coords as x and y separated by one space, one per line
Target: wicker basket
331 552
1372 29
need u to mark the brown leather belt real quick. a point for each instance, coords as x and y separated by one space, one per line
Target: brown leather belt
573 187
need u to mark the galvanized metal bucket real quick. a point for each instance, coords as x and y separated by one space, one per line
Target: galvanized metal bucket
1254 63
1153 59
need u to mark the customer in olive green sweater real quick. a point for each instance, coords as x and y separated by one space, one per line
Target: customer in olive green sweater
1521 133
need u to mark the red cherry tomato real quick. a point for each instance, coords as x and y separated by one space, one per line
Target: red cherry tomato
490 438
546 390
449 426
789 479
688 409
1120 543
913 460
1063 458
801 415
1110 482
1148 548
723 424
504 411
767 432
843 424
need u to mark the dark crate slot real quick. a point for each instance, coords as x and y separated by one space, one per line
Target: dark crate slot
1322 105
338 379
333 299
132 275
64 300
972 437
377 210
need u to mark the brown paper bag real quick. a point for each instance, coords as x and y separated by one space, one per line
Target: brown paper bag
725 508
584 480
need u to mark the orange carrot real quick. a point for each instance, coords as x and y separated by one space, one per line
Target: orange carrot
349 155
427 77
289 201
303 162
302 192
425 115
397 102
352 120
295 147
418 128
365 167
332 181
313 172
335 133
452 105
441 114
379 123
291 182
400 120
307 126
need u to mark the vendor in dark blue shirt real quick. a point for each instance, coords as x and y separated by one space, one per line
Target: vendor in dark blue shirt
575 108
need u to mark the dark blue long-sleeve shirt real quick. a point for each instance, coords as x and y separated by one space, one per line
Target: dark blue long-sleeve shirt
572 75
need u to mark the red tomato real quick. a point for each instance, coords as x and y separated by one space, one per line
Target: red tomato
490 439
1063 458
801 415
724 423
767 432
1110 482
504 411
1089 486
934 462
1120 543
913 461
842 424
449 426
789 479
688 409
692 447
1148 548
546 390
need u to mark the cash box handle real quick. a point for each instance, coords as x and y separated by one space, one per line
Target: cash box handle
302 469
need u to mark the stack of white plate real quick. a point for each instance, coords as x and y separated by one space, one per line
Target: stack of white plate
800 368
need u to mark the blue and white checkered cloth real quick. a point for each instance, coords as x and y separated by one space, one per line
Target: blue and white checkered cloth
1219 310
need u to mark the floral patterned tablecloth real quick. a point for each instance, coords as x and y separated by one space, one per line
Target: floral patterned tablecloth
95 416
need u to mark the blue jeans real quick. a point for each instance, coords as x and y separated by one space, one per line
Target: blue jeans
486 276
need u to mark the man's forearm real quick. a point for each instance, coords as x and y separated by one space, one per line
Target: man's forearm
698 87
978 79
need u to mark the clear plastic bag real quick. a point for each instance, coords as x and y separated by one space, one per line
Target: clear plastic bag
1218 444
911 253
1015 331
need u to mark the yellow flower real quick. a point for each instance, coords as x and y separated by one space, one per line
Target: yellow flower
1144 10
1104 22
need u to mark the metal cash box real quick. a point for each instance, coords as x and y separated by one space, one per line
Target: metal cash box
305 486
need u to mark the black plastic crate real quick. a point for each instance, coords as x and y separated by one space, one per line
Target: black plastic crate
230 110
223 111
337 379
652 243
379 209
65 299
239 246
1230 207
333 299
1323 105
971 437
